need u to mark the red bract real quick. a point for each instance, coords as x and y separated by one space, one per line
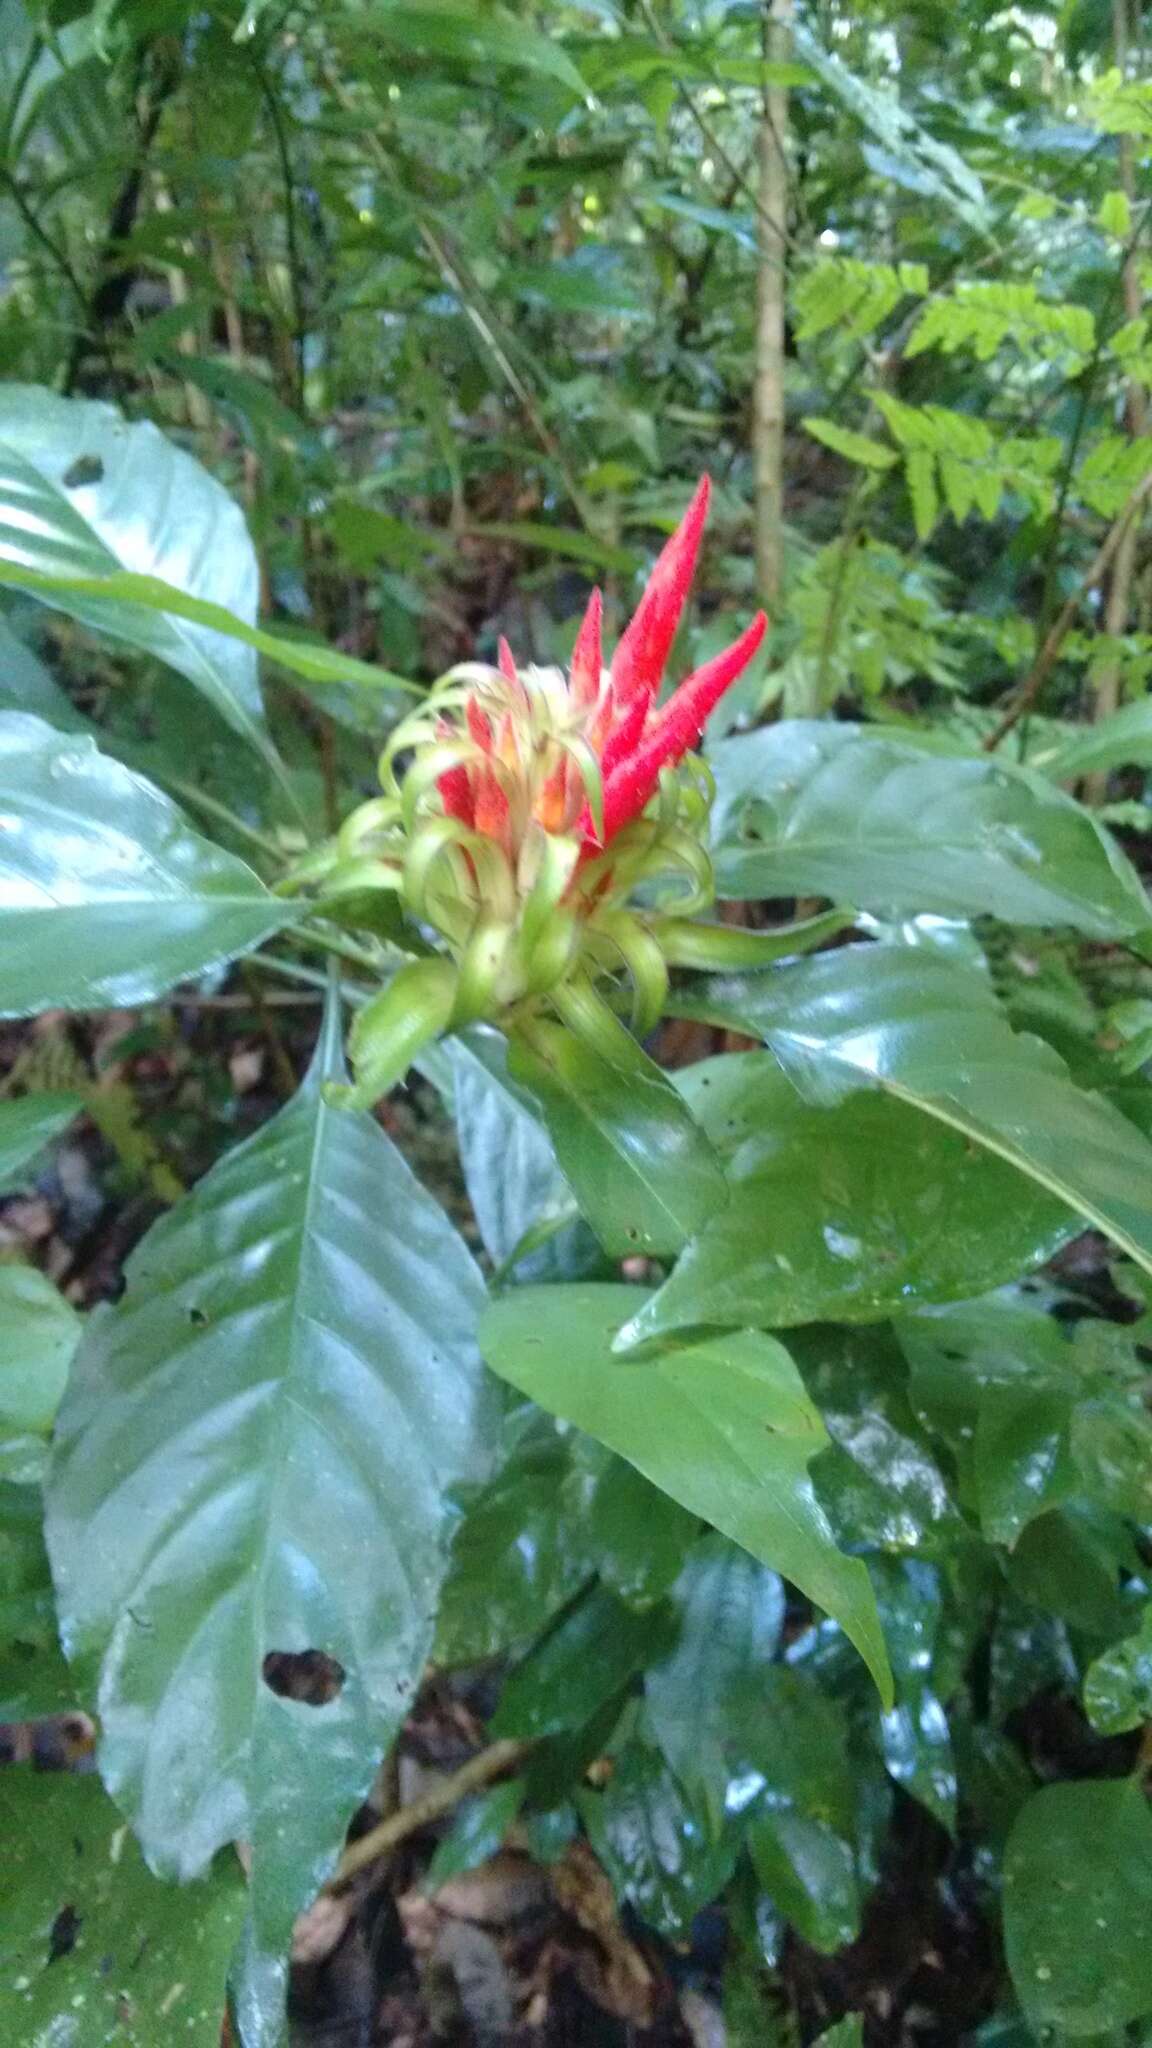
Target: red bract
527 736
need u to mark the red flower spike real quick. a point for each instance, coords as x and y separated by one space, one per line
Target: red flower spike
689 708
640 658
587 660
676 730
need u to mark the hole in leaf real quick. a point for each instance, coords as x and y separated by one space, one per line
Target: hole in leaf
197 1317
62 1933
307 1675
87 469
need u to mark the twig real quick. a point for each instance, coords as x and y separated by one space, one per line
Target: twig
440 1799
768 388
1058 632
291 231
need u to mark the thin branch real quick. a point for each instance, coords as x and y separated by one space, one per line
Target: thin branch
291 230
440 1799
720 152
1054 640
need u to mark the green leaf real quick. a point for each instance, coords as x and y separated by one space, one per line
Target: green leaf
125 591
26 685
881 1484
637 1535
251 1462
34 1678
510 1170
914 1737
583 1662
853 447
731 1611
808 1872
725 1427
929 1032
844 1212
519 1554
28 1124
85 494
875 821
1118 1686
641 1169
96 1953
928 164
654 1844
462 36
1023 1458
39 1332
477 1833
1121 741
573 544
1077 1886
107 896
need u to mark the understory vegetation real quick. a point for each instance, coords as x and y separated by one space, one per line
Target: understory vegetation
575 1255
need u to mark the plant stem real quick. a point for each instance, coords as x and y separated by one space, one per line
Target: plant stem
1046 660
768 396
479 1771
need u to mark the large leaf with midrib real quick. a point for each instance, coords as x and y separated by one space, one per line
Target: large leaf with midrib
86 493
107 895
930 1032
809 807
252 1458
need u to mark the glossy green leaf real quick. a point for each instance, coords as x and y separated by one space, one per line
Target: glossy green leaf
880 1479
725 1427
1118 1685
123 593
1068 1563
26 685
252 1461
641 1169
806 808
34 1678
638 1535
1024 1463
1122 741
94 1952
914 1736
583 1662
29 1123
928 1031
514 1184
654 1844
477 1832
730 1610
847 1212
809 1874
84 493
1077 1888
39 1332
518 1556
107 895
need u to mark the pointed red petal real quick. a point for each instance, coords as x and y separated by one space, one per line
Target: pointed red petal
587 660
679 724
506 661
675 730
625 734
479 725
639 660
456 793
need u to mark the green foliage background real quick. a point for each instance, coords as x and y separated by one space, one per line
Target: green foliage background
337 341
